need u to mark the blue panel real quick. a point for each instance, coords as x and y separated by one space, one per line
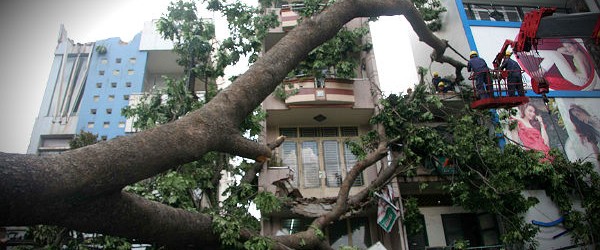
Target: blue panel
567 93
494 23
113 86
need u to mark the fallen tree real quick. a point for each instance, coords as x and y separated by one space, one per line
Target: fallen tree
82 189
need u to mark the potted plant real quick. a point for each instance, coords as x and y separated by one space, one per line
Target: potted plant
101 49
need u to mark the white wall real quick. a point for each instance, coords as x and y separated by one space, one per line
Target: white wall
546 211
453 31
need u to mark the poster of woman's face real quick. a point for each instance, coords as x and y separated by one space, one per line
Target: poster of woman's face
581 121
564 63
535 128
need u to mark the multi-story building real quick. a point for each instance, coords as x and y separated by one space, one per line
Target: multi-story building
312 162
89 84
483 26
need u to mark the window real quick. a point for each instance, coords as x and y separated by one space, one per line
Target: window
111 98
116 72
90 125
126 97
121 124
108 111
289 158
350 161
101 72
318 153
478 229
113 84
310 164
130 72
128 84
103 61
118 60
350 232
291 226
96 98
98 85
106 125
103 137
132 60
331 160
93 111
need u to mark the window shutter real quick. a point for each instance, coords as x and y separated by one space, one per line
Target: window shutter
289 158
310 164
331 158
350 160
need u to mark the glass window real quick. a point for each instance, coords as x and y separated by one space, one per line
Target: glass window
104 61
130 72
291 226
331 158
106 125
289 158
478 229
111 98
132 60
288 132
128 84
101 72
98 85
116 72
121 124
118 60
93 111
108 111
126 97
113 84
350 160
90 125
96 98
310 164
353 232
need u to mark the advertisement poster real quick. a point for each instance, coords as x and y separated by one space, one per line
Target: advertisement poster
537 128
582 123
564 63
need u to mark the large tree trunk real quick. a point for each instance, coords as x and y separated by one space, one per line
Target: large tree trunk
81 189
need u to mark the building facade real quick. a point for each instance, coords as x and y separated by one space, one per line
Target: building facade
317 118
89 84
483 26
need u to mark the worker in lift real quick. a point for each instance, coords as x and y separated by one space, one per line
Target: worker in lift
481 75
515 79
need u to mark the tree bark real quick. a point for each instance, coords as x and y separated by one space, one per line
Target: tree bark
81 189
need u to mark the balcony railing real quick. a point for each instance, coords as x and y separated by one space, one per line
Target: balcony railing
310 91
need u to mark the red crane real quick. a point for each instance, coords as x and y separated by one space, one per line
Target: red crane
537 25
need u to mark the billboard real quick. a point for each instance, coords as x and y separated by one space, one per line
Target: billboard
568 124
564 63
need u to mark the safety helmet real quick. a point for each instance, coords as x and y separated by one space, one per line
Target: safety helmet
441 84
508 53
435 73
473 53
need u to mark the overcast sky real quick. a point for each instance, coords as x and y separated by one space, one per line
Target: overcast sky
29 33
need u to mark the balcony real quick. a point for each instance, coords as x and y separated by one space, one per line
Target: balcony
288 19
327 91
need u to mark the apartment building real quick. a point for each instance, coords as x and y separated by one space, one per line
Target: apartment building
317 118
484 26
89 84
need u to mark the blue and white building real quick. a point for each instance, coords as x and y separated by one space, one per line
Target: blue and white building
89 84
